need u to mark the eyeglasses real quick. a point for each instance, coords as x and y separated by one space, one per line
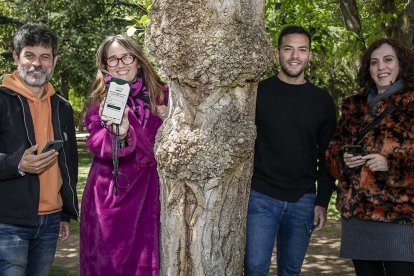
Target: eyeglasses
126 59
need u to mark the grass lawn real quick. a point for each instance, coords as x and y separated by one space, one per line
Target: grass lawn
84 164
59 271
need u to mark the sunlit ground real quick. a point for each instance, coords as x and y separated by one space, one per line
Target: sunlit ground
322 256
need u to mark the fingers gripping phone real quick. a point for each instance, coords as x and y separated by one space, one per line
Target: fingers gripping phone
355 149
56 145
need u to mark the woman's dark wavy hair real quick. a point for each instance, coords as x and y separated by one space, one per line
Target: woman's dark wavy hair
405 59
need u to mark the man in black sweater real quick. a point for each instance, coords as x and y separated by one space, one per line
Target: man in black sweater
291 187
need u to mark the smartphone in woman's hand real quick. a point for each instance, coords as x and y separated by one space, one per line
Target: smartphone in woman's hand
354 149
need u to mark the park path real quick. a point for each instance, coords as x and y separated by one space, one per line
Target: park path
322 257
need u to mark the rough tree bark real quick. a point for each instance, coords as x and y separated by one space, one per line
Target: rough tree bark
64 84
388 7
400 28
213 52
352 21
405 25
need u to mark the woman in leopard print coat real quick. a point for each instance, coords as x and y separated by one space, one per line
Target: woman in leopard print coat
375 194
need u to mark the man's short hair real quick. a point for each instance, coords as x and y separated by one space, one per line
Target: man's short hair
293 29
32 34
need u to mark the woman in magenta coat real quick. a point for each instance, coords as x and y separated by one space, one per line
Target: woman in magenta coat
119 232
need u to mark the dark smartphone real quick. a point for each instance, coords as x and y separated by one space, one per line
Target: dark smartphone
355 149
56 145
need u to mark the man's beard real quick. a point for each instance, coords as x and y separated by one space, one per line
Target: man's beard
291 73
32 80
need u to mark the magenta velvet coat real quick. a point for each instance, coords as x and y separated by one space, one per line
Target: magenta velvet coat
119 234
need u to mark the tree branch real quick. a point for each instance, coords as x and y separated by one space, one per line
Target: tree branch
352 21
405 24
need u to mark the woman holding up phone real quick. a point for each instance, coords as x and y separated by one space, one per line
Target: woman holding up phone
119 232
376 184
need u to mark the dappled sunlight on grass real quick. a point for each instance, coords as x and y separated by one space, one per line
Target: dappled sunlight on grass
322 256
67 257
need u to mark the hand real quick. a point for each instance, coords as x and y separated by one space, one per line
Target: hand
36 164
162 111
353 161
376 162
319 217
64 230
124 126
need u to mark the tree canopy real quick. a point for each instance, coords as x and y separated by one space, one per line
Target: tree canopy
341 30
80 26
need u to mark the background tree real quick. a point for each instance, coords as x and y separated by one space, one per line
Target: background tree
352 20
341 31
80 25
213 53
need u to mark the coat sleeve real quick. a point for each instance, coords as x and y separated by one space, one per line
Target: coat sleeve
401 158
99 140
9 165
401 168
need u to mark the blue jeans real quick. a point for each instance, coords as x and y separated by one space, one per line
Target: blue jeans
29 250
290 222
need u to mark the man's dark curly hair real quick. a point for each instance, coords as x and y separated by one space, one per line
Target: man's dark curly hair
405 59
32 34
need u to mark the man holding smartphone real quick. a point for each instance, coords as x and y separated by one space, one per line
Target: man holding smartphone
38 189
295 120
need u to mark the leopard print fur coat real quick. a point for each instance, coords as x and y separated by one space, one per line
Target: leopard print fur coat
362 193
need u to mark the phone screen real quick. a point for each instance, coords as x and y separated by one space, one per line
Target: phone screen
115 100
355 149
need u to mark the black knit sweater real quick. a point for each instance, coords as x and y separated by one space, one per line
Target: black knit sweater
294 126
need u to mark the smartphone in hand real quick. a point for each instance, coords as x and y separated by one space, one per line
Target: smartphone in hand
56 145
115 100
354 150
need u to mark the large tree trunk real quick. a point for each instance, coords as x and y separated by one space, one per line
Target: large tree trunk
352 21
400 28
64 84
213 52
405 25
388 7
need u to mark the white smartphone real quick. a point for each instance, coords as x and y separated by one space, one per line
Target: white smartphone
115 100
